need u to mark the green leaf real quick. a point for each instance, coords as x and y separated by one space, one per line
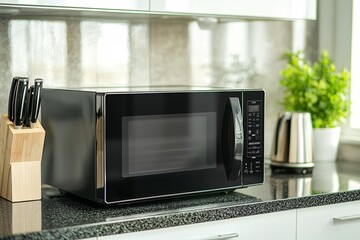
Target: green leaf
316 88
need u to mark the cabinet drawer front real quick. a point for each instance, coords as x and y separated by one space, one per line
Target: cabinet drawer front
336 221
277 226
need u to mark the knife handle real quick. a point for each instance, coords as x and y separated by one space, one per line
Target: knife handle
38 84
19 102
11 98
28 105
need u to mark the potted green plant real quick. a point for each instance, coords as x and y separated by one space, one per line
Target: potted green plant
319 89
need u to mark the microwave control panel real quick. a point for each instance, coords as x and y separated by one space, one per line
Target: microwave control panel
254 137
253 129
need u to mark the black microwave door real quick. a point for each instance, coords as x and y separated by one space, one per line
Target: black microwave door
166 144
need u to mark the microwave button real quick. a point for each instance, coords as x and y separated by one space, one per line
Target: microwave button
238 135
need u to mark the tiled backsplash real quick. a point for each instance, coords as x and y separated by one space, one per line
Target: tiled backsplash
158 51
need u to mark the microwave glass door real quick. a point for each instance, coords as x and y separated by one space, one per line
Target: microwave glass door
157 144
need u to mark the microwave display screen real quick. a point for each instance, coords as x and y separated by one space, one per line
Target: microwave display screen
254 108
156 144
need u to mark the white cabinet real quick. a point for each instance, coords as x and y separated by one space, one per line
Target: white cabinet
274 9
280 9
279 225
134 5
336 221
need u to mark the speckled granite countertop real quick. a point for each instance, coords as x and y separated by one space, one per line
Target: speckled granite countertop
59 216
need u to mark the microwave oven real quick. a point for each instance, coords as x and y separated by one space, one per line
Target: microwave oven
127 145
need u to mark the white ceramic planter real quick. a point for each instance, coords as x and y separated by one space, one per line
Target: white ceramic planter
326 143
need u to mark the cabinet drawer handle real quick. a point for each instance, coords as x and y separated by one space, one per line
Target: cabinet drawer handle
221 237
346 218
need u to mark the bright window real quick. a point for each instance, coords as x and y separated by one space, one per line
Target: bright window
355 67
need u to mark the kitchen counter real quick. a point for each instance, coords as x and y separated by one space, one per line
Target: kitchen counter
61 216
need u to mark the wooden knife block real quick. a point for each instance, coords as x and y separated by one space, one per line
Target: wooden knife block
20 161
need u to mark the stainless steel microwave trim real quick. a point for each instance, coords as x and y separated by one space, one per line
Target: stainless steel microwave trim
100 145
104 142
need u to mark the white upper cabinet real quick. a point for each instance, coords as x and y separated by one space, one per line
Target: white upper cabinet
274 9
131 5
249 9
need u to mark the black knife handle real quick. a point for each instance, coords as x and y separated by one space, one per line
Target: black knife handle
38 84
11 98
28 104
19 104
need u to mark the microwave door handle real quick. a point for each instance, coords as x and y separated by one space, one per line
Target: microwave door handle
238 139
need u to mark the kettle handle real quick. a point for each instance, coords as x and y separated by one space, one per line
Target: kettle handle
279 127
277 132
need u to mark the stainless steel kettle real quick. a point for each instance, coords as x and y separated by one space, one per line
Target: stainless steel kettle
292 146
